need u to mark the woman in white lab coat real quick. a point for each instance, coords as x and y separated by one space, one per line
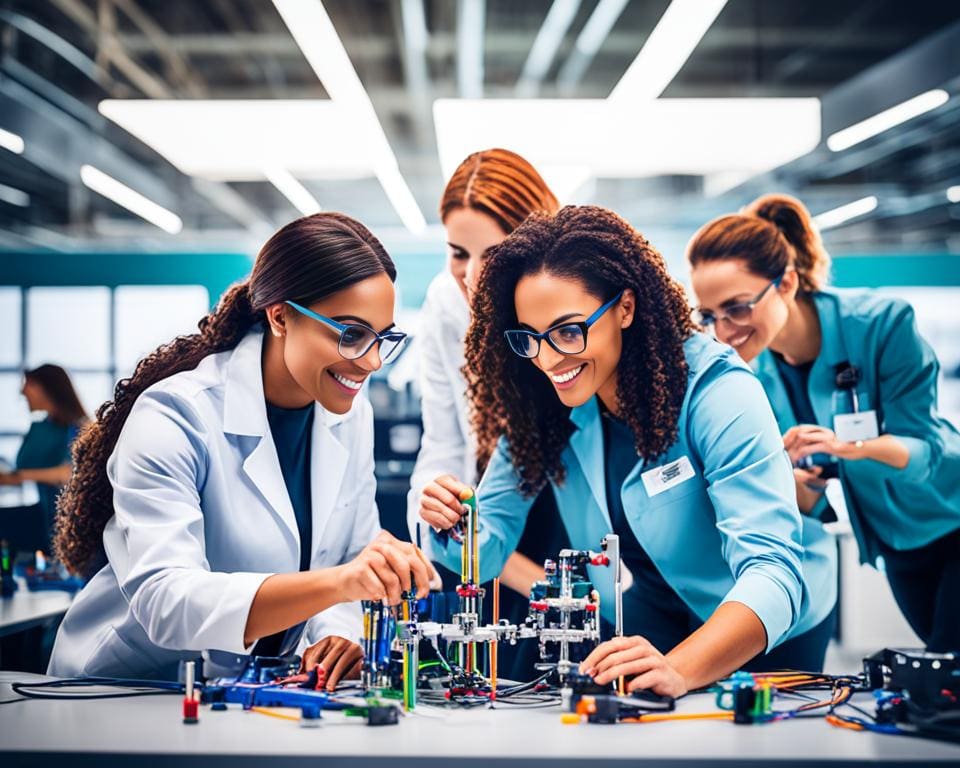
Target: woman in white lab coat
488 196
223 502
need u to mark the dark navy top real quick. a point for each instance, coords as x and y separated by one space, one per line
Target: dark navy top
666 619
292 429
795 380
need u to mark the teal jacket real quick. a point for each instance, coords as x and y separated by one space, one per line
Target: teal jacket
905 508
731 532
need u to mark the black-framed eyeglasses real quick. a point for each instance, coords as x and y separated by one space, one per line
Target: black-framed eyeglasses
738 314
566 338
356 339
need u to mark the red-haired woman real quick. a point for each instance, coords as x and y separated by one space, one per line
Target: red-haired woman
854 389
489 195
223 502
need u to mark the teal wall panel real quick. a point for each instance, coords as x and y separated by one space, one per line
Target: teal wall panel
216 271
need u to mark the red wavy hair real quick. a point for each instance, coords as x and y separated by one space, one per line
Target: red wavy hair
501 184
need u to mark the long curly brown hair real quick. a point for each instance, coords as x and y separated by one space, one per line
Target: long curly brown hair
306 260
510 397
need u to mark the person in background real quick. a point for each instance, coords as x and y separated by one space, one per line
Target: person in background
583 344
853 385
44 455
488 196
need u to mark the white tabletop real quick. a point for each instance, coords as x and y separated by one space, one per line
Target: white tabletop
109 732
27 609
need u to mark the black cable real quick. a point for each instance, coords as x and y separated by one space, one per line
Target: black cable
147 688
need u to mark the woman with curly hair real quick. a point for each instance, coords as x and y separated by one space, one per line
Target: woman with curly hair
488 196
583 347
854 387
223 501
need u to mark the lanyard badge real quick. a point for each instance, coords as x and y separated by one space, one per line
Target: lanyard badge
857 425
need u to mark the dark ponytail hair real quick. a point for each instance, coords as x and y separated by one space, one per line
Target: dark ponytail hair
66 408
305 261
772 234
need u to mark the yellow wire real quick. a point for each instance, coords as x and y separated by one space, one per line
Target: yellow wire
273 713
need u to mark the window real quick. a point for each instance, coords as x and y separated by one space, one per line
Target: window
98 334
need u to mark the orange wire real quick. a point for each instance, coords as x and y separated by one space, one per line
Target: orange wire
655 718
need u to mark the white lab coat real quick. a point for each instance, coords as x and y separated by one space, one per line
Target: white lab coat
202 517
448 445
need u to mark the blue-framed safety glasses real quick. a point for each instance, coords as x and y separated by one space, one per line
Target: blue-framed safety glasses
357 339
566 338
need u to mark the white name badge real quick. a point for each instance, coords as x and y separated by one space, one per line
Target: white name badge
665 477
850 427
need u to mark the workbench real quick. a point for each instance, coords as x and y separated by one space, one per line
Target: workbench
150 730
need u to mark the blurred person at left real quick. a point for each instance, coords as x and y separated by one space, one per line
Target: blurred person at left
44 455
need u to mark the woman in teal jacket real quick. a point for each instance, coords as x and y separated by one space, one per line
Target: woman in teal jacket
645 427
854 389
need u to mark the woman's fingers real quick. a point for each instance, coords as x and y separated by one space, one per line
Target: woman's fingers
397 561
605 649
354 672
812 448
810 477
349 653
389 580
453 486
436 520
815 435
313 654
622 657
446 491
626 668
432 509
371 585
425 575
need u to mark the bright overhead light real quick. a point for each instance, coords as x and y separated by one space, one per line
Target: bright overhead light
589 40
293 190
225 140
471 25
685 136
401 198
311 27
11 141
887 119
130 199
14 196
548 40
678 32
953 194
837 216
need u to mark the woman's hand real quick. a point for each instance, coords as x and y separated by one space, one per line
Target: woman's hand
810 487
440 504
339 659
807 440
385 568
634 657
10 478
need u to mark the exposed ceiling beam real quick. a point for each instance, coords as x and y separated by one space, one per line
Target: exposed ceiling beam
112 50
179 68
442 44
592 36
545 46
